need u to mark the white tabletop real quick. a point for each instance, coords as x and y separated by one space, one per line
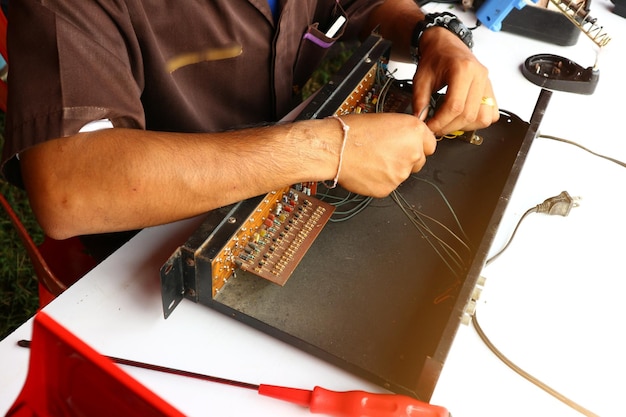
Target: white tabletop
552 301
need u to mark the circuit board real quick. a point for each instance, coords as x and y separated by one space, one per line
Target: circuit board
273 239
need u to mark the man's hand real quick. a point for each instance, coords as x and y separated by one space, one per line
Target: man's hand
382 150
447 62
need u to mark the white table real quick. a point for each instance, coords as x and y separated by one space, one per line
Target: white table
552 301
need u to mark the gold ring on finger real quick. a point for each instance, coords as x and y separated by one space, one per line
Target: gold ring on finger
488 101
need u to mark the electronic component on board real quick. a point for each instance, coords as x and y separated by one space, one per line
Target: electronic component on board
273 239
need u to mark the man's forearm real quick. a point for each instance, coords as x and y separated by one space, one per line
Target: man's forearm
122 179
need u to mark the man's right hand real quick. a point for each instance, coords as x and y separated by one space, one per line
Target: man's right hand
382 151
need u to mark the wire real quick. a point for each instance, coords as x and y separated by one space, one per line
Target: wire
445 200
525 374
380 105
446 252
557 205
508 243
439 245
355 204
560 205
569 142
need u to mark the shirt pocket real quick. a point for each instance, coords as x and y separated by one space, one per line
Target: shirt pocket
314 45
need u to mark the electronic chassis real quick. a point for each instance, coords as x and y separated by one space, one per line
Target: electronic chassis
375 286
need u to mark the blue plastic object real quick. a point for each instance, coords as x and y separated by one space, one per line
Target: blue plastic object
492 12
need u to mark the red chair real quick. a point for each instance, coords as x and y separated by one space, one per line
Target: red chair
57 263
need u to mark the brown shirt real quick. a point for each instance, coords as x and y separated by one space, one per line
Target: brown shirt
169 65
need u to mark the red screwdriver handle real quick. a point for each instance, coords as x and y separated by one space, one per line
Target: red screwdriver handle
366 404
355 403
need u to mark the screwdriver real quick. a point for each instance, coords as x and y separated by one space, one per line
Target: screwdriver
319 400
354 403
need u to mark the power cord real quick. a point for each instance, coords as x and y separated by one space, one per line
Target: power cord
578 145
563 203
526 375
559 205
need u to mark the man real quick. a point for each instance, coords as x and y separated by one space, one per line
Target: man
176 83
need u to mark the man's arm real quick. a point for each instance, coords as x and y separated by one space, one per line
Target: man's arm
121 179
124 179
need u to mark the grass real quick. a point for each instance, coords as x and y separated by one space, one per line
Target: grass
18 283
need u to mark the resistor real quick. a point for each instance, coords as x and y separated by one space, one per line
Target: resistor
245 257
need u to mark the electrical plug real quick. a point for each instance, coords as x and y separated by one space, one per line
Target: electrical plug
561 204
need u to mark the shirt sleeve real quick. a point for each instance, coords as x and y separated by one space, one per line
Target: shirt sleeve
57 54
